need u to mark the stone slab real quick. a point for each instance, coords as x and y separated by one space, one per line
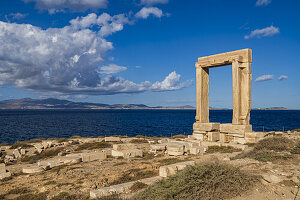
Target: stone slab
121 188
168 170
17 153
92 156
5 175
112 139
32 169
235 129
2 168
197 150
213 136
174 149
206 127
157 147
120 147
131 153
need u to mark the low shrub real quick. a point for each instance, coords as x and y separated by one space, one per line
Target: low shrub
134 175
67 196
296 149
138 186
222 149
45 154
93 145
39 196
276 143
23 145
138 141
205 182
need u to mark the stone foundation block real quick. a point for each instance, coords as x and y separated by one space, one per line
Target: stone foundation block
120 147
213 136
207 144
239 140
2 168
222 138
91 156
197 150
206 126
131 153
255 134
5 175
17 153
168 170
112 139
157 147
175 149
199 136
235 129
32 169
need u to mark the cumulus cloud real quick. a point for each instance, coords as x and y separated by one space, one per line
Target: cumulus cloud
65 61
145 12
111 69
283 77
263 2
264 78
54 6
15 16
152 2
171 82
265 32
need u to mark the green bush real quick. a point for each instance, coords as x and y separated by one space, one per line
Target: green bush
276 143
42 155
222 149
208 181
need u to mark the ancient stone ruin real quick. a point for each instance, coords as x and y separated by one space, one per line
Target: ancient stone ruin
239 130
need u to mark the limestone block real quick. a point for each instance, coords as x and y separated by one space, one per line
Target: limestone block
213 136
207 144
32 169
121 188
17 153
199 136
120 147
239 140
91 156
157 147
2 168
130 153
235 129
5 175
168 170
112 139
222 138
175 149
191 137
162 141
23 151
206 126
38 146
197 150
255 134
70 159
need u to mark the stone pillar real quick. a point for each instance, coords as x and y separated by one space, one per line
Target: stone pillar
245 92
236 86
202 87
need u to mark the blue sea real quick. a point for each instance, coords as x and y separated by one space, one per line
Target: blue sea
18 125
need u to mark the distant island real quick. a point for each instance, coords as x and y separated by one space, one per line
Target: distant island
52 103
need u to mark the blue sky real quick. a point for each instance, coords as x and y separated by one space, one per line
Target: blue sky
143 51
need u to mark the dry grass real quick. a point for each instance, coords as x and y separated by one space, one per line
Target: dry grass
168 161
179 136
45 154
138 141
23 145
134 175
296 149
138 186
93 145
67 196
222 149
270 149
205 182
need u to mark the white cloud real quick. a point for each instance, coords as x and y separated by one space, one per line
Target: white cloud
265 32
171 82
145 12
264 78
65 61
283 77
111 69
152 2
54 6
15 16
263 2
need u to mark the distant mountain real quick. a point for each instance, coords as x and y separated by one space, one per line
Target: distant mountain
271 108
51 103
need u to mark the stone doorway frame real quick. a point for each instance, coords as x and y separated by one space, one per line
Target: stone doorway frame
241 61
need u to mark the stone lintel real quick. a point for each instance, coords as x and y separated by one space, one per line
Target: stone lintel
235 129
198 127
222 59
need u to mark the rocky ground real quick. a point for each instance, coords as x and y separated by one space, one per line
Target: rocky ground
278 169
